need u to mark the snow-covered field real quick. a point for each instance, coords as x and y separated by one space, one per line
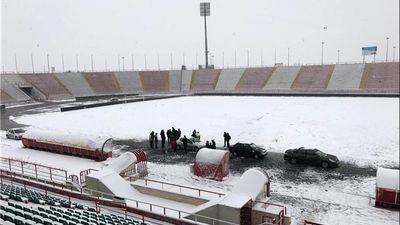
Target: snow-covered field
365 130
360 130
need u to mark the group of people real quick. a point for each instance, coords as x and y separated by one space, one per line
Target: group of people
172 135
196 135
210 144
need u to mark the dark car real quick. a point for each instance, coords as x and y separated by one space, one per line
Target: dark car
250 150
313 157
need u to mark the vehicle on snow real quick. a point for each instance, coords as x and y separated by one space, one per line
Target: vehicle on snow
249 150
15 133
192 145
313 157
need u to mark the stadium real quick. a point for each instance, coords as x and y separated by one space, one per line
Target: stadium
85 156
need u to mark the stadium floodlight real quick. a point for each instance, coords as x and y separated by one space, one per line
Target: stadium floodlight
322 52
387 48
204 12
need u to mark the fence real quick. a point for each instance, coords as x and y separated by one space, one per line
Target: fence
39 172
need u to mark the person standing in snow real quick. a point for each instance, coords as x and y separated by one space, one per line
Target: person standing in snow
185 142
169 135
207 144
213 144
162 135
228 138
194 133
173 143
156 140
151 139
224 139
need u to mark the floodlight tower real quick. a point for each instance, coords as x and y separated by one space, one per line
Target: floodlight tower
205 11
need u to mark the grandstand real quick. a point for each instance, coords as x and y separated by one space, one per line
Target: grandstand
22 205
376 78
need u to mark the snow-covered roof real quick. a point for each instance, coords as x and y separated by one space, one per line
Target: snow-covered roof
249 186
387 178
251 183
114 182
122 162
67 138
210 156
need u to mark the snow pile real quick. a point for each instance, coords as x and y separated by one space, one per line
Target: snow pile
122 162
251 183
387 178
210 156
67 138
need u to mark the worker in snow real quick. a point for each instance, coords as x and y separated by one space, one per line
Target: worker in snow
156 140
207 144
173 142
185 142
169 132
224 139
197 136
151 139
162 135
228 138
194 133
213 144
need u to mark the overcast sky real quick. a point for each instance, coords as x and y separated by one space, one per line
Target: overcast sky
160 28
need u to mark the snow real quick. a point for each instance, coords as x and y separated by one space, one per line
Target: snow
210 156
67 138
122 162
251 183
360 130
364 131
387 178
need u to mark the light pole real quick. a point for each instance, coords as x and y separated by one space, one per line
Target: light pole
338 55
133 63
123 63
48 63
91 61
33 67
288 56
16 64
77 63
204 12
394 53
387 48
248 58
62 59
322 53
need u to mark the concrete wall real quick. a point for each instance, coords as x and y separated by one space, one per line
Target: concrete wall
75 83
186 79
346 77
282 78
228 79
9 84
175 80
129 82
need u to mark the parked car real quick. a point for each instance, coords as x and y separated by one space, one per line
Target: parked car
250 150
15 133
193 144
313 157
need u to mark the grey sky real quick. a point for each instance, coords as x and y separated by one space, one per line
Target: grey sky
107 29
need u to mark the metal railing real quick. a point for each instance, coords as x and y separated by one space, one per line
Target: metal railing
181 188
39 172
102 198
